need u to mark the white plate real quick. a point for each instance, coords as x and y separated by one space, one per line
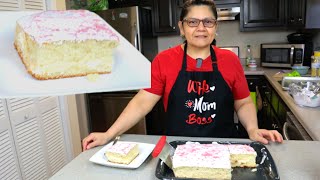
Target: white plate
144 151
131 70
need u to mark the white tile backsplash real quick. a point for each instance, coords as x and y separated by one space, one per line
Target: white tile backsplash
229 35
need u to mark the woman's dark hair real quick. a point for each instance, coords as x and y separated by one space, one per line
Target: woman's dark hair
189 3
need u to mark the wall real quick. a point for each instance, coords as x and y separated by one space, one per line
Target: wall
229 35
316 40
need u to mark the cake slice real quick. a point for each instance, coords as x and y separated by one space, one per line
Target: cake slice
61 44
204 161
242 155
122 152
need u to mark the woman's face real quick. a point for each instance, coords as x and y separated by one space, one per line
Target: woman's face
199 36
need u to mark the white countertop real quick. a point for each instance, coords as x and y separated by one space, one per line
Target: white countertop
308 117
295 160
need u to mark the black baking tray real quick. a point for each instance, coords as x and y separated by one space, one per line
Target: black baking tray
266 168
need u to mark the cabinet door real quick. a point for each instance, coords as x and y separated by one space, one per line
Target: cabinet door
28 138
9 167
296 13
165 17
11 5
33 4
262 13
15 5
276 125
49 111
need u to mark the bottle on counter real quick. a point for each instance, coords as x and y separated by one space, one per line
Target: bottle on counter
315 64
250 62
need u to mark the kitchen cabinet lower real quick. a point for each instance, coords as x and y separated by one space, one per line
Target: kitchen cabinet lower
272 114
105 108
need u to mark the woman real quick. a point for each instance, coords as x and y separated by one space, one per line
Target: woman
201 86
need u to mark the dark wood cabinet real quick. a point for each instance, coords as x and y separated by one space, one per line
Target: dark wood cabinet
261 13
272 14
165 17
295 13
223 2
272 115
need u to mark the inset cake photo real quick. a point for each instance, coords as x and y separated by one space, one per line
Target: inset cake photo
64 52
61 44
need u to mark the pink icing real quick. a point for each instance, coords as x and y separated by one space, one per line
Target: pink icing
121 148
241 149
72 25
202 155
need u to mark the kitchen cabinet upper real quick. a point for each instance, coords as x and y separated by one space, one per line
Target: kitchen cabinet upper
166 16
226 2
295 13
278 14
261 13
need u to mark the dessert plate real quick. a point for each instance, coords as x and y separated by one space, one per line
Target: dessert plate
144 151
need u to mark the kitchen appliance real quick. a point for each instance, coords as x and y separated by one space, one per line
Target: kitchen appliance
228 10
306 39
134 24
228 13
282 55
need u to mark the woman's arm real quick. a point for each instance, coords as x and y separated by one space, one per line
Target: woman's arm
137 108
247 115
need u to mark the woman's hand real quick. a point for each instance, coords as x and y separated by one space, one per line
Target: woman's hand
264 136
94 139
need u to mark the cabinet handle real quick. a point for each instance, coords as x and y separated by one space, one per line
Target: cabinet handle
300 19
173 27
284 130
291 20
26 116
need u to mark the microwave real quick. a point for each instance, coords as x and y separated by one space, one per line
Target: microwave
282 55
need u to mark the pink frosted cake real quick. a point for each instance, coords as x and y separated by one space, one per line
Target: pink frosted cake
122 152
59 44
206 161
211 161
242 156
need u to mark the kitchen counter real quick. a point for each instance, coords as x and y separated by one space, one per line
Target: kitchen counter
295 160
308 117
